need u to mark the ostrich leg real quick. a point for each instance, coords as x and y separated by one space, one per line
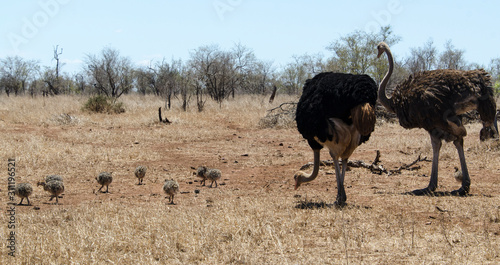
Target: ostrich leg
495 124
436 147
341 196
464 190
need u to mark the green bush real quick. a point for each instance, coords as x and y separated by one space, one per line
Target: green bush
103 104
496 88
117 107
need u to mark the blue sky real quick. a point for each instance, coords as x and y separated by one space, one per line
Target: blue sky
274 30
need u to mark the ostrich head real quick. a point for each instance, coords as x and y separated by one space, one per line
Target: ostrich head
489 131
382 47
299 177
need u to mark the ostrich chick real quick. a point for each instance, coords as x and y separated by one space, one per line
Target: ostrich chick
201 172
213 175
23 190
171 187
458 174
104 179
140 173
54 187
53 177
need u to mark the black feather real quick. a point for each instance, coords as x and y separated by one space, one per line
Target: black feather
331 95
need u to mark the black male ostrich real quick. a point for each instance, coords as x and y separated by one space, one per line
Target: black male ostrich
434 101
337 111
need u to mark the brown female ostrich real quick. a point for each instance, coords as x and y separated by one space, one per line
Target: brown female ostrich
434 101
337 111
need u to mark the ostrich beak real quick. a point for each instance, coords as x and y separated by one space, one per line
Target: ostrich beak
380 52
297 182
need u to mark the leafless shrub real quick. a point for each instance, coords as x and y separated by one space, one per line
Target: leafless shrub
282 116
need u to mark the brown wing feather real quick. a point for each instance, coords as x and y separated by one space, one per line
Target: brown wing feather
363 118
428 99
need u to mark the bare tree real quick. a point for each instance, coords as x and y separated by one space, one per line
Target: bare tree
51 81
295 74
495 67
112 75
144 80
245 64
216 70
452 58
15 73
422 58
51 76
199 88
163 81
495 73
261 78
80 83
183 81
355 53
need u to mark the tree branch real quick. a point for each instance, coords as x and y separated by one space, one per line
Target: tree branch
374 167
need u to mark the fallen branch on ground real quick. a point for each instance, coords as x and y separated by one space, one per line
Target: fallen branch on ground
374 167
285 107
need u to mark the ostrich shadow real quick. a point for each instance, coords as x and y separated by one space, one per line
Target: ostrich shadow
305 204
308 205
441 194
22 205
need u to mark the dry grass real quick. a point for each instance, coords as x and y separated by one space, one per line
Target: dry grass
254 216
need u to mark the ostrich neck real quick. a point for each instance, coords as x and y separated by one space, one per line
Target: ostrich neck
315 171
384 100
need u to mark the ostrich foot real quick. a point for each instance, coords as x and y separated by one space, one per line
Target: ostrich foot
460 192
340 202
422 192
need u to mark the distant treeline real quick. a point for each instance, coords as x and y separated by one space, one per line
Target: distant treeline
212 72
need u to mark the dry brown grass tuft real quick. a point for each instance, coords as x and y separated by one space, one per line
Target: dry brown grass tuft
254 216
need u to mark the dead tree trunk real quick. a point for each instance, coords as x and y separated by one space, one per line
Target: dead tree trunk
271 99
163 120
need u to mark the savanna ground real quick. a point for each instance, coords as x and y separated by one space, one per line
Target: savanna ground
254 216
